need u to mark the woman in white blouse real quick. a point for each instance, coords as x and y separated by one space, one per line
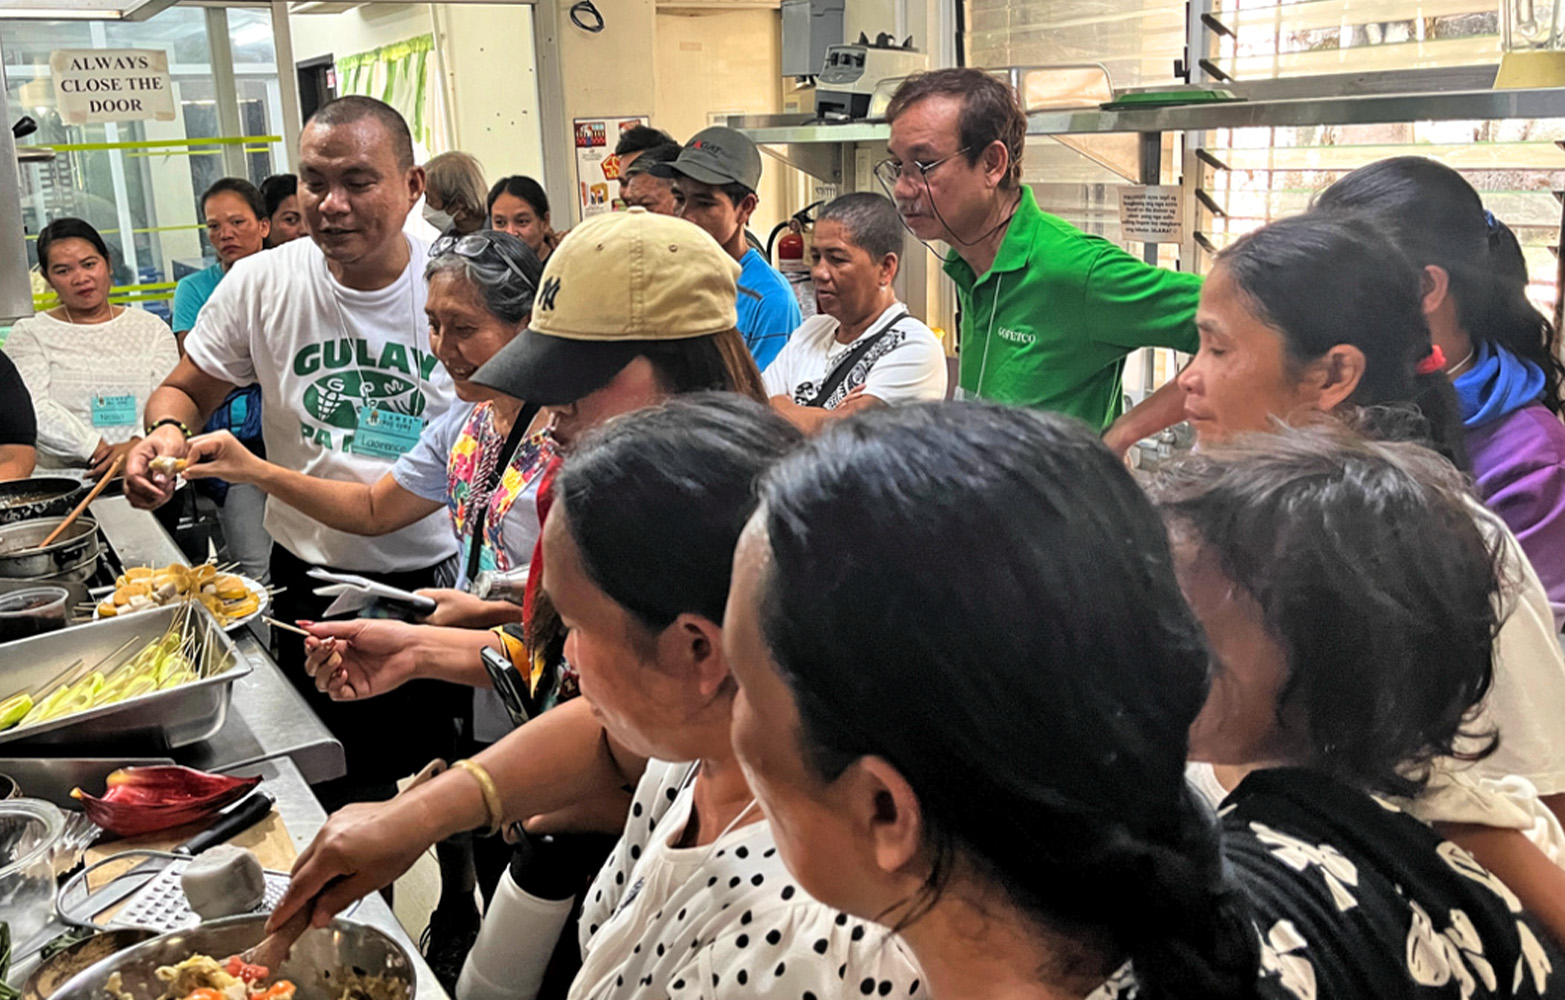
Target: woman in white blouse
89 365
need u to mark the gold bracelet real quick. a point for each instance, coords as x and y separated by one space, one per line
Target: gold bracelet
491 793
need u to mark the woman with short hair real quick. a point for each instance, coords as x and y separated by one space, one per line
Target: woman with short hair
90 365
454 193
862 349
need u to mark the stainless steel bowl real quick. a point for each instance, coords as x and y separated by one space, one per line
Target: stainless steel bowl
324 962
62 966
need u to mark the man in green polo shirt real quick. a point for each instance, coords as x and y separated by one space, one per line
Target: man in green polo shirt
1049 313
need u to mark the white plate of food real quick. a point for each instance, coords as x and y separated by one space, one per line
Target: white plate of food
234 600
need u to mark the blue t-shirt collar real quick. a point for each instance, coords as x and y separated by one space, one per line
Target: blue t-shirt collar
1498 384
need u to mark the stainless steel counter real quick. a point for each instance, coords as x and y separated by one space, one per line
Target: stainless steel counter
268 718
270 731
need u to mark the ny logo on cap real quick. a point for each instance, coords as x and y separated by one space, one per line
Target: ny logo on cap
546 294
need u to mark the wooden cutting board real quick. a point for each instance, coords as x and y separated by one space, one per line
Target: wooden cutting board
268 839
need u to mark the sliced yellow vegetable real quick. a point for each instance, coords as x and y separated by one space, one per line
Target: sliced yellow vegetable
14 709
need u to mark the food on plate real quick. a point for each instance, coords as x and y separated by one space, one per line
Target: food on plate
143 799
227 596
168 465
201 977
222 881
172 659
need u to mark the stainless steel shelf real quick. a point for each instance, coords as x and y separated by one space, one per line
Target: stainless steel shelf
1368 109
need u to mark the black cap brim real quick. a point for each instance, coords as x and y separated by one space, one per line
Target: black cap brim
554 371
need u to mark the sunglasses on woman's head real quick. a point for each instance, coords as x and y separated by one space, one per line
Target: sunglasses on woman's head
473 246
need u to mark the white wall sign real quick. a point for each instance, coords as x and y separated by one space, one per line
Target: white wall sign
1149 214
112 85
597 168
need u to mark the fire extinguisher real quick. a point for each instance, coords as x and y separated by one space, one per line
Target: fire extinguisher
791 257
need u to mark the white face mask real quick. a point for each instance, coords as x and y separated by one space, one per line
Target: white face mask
438 218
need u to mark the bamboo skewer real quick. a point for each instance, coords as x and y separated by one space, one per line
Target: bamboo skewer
285 626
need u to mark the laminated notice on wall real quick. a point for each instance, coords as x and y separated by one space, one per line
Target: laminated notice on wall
597 168
1150 214
112 85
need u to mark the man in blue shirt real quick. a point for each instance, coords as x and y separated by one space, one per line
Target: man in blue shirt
715 179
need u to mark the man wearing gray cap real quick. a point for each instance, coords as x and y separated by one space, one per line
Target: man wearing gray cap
715 179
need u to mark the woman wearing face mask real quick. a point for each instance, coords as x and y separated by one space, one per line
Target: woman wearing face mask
863 349
89 365
518 205
1316 315
694 901
454 195
478 460
1501 354
281 193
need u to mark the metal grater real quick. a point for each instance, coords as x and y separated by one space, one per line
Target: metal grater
161 903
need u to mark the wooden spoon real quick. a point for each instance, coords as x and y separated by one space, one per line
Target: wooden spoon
114 468
272 951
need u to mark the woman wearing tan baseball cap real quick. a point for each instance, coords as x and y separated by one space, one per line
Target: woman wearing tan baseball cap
633 307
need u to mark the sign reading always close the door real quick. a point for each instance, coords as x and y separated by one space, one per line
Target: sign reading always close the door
112 85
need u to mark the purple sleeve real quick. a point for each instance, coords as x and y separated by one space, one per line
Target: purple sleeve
1519 463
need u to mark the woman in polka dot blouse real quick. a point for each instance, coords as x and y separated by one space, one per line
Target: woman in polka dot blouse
973 729
694 901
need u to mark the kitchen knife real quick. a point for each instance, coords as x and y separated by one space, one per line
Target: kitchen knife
239 818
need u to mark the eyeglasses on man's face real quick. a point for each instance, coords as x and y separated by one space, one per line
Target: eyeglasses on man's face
889 171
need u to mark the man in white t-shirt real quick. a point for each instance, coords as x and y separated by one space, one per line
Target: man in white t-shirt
862 349
333 330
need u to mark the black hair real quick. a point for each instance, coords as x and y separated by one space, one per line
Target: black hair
991 112
717 362
1437 219
982 596
521 187
277 189
871 221
657 161
735 191
639 138
655 501
357 107
244 189
69 229
1372 574
1323 281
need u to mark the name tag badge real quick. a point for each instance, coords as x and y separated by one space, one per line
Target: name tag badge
384 434
113 411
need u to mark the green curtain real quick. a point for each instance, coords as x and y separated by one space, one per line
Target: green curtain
397 74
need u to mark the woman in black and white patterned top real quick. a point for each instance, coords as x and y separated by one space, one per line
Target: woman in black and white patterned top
694 902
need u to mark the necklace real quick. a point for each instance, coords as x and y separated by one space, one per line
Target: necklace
71 318
1462 364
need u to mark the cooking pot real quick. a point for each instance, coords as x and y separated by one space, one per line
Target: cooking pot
72 556
45 496
30 832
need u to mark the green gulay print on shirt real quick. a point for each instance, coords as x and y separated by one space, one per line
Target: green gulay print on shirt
351 375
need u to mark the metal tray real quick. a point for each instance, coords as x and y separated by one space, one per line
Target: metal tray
174 718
